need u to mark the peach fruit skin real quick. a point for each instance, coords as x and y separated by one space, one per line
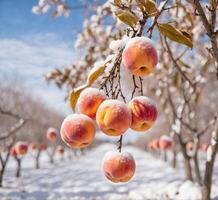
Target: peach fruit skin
89 101
165 144
60 150
118 167
144 113
21 148
140 56
204 147
13 152
78 130
113 117
32 146
190 146
42 147
52 134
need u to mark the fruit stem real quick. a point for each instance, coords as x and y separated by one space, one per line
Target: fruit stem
120 141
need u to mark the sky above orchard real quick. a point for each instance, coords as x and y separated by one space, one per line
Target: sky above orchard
32 45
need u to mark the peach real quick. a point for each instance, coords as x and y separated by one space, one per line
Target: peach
190 146
78 130
32 146
204 147
21 148
113 117
155 144
144 113
42 147
89 101
140 56
52 134
165 142
118 167
13 152
60 150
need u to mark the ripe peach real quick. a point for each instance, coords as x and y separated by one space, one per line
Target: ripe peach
155 144
21 148
140 56
144 113
89 101
190 146
60 150
204 147
52 134
13 152
118 167
32 146
165 142
42 147
78 130
113 117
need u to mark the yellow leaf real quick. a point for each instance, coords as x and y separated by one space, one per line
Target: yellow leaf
94 74
174 34
127 17
151 8
74 95
117 2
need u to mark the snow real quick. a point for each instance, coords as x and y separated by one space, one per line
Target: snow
82 178
166 138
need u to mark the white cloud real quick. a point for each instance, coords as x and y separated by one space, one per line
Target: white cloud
33 56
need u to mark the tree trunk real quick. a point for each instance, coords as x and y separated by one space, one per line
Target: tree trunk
188 169
206 188
186 159
1 176
165 155
174 159
37 159
196 169
18 167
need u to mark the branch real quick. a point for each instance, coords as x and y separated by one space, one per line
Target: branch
212 151
176 64
15 127
209 28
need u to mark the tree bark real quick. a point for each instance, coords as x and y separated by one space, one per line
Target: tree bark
206 188
197 169
174 160
18 171
37 159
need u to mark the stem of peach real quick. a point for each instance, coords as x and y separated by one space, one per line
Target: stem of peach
120 141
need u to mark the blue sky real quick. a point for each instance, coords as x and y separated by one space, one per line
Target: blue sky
32 45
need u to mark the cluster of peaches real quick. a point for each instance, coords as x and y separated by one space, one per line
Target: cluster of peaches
112 116
21 147
190 146
163 143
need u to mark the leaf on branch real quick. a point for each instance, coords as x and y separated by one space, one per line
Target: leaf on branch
184 64
118 3
174 34
127 17
94 74
74 95
150 7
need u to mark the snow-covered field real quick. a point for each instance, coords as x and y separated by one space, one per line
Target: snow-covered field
82 178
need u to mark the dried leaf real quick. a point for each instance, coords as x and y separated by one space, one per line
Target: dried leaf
94 74
117 2
127 17
74 95
174 34
150 7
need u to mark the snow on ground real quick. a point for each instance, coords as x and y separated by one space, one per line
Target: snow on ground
82 178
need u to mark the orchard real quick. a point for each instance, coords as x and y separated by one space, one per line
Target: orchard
141 95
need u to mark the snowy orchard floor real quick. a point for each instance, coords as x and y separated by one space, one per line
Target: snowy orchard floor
82 178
